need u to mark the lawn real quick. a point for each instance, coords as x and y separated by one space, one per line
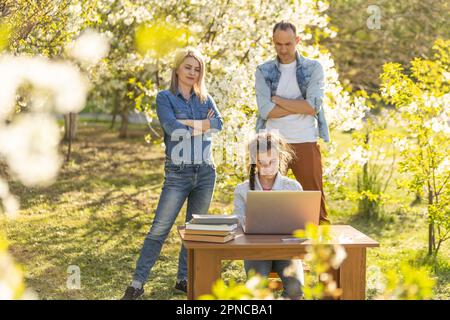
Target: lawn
97 213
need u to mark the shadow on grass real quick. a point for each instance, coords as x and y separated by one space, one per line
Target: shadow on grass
438 266
120 165
95 216
370 227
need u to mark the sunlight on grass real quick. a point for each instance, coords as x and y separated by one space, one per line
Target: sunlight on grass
101 207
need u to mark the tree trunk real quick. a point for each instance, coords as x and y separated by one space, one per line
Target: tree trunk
437 248
70 126
124 125
417 200
157 75
115 111
431 238
70 129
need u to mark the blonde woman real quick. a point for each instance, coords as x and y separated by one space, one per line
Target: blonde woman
269 157
188 115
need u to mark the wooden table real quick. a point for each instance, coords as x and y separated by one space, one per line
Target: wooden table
204 258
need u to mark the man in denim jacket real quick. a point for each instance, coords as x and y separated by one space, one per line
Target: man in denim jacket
289 94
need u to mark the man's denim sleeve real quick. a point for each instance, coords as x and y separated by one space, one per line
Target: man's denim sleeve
216 122
167 118
263 95
315 89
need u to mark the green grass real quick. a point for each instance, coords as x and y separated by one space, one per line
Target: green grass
97 213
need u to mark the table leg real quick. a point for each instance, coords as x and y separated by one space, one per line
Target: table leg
191 279
352 275
206 268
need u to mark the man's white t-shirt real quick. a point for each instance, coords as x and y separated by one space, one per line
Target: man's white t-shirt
295 128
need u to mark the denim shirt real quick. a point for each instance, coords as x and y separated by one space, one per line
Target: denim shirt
310 78
181 145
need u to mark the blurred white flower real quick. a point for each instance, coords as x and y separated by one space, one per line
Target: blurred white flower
128 21
322 6
295 269
61 80
31 148
444 167
359 155
253 282
90 47
437 126
446 76
75 9
392 91
70 95
9 202
400 144
11 206
338 257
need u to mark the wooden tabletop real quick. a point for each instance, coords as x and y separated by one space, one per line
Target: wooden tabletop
344 235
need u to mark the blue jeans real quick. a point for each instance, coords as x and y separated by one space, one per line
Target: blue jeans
194 182
292 284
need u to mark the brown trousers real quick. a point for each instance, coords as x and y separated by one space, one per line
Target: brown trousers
307 169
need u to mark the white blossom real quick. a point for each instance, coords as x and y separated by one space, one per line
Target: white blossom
359 155
31 148
62 80
90 47
10 203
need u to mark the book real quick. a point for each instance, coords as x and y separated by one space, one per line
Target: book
207 232
207 238
214 219
211 227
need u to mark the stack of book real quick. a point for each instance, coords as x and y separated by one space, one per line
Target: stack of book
211 228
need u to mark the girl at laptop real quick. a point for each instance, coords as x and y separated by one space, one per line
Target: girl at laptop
269 157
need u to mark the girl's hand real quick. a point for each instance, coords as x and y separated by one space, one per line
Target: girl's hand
211 114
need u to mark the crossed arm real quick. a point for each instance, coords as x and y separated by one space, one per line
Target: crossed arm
171 125
276 107
199 126
284 107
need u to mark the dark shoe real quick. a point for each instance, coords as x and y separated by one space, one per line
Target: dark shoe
181 286
132 293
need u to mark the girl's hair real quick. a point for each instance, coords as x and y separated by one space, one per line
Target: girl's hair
199 87
263 142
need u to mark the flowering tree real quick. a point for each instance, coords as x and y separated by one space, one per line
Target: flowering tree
46 28
372 158
422 99
235 37
29 140
53 50
238 39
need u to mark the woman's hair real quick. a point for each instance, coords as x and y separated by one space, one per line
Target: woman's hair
199 87
263 142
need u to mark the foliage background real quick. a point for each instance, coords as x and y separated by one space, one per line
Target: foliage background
97 221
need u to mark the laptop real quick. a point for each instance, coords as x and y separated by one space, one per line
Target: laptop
280 211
